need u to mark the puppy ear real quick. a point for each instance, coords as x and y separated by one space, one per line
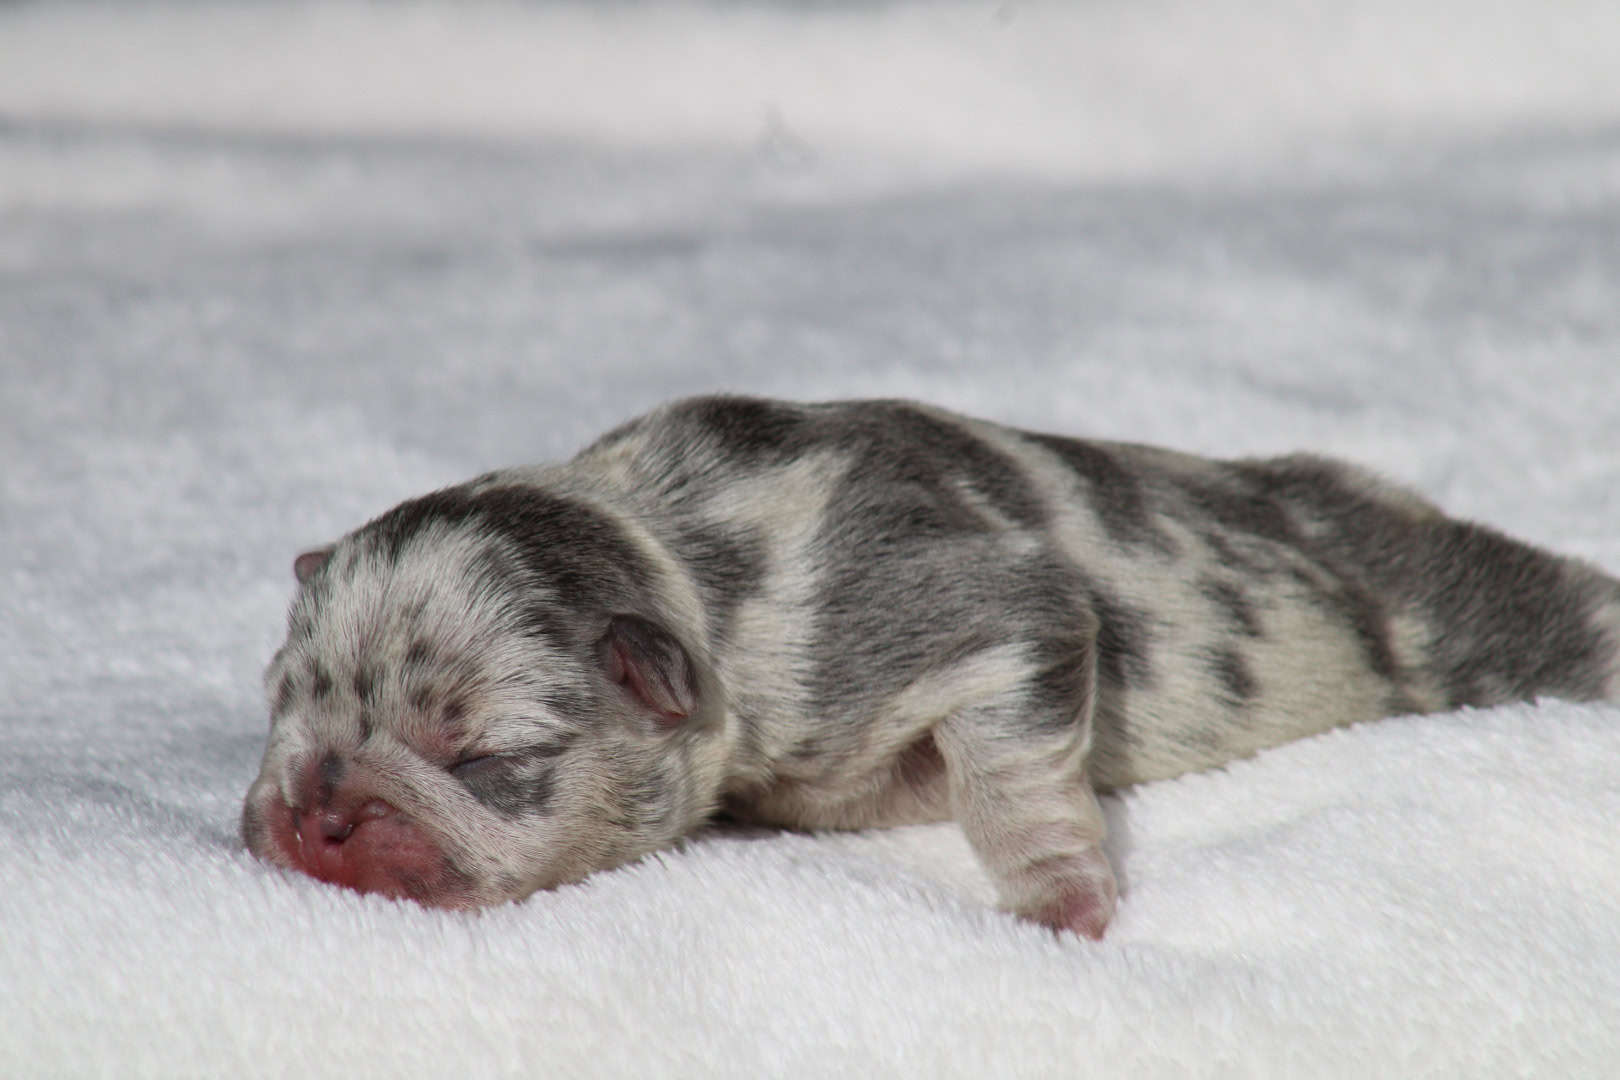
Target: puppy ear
305 565
652 666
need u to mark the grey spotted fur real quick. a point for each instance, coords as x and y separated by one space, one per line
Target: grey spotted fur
884 613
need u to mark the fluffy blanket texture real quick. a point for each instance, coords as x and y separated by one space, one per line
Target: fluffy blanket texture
265 270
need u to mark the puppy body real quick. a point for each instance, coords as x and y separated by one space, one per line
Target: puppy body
858 614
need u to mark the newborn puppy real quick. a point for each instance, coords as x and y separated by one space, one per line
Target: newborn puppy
861 614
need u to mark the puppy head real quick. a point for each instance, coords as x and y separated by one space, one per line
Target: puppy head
480 696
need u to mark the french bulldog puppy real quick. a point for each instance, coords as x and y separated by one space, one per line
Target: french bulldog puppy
863 614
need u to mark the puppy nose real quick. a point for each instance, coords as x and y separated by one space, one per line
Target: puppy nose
335 824
333 827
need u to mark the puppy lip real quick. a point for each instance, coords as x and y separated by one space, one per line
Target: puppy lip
373 848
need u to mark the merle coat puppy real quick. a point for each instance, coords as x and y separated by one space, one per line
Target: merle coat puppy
861 614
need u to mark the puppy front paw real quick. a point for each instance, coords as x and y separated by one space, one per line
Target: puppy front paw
1072 892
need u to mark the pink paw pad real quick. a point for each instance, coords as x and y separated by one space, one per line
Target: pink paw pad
1084 911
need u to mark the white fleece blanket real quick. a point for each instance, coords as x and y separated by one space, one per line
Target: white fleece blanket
265 270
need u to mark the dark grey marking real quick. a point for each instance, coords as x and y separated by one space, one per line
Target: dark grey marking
320 681
556 744
1506 621
1234 604
1116 493
539 618
649 799
1062 683
1236 499
1258 500
580 554
285 692
694 439
750 429
453 713
729 567
329 774
1256 559
566 701
1122 640
365 682
806 748
1364 614
494 565
898 445
916 589
903 547
419 654
1511 617
1231 670
645 799
924 582
891 443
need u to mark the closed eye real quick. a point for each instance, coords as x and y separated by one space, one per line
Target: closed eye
477 765
512 784
474 766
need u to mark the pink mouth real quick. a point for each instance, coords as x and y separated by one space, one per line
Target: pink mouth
361 844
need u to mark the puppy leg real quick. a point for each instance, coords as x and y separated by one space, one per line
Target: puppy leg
1016 768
